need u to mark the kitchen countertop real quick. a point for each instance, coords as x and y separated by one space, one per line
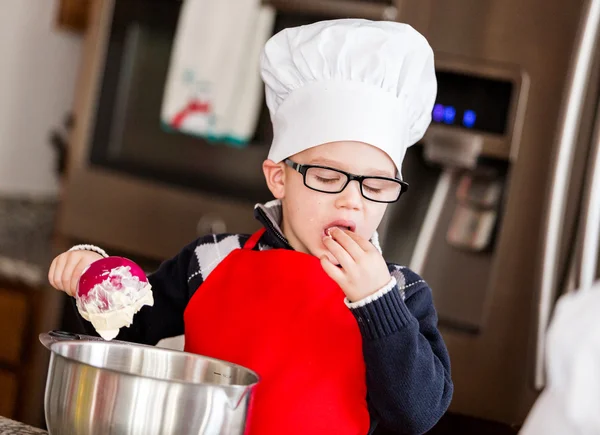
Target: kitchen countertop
26 228
11 427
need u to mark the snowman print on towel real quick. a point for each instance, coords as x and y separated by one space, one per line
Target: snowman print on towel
197 114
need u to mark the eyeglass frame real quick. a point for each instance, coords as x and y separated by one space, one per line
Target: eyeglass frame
303 169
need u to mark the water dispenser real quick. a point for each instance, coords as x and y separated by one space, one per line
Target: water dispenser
445 226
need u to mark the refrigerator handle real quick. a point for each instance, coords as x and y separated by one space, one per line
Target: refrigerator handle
572 107
591 215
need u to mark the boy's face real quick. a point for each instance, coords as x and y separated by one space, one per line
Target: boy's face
307 214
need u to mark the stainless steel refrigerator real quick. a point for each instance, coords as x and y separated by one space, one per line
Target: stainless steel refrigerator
504 215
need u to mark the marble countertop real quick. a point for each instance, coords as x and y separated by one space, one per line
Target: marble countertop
11 427
26 228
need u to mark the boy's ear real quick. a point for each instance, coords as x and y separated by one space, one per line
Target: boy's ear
275 177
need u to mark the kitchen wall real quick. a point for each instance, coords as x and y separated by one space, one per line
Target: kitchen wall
38 69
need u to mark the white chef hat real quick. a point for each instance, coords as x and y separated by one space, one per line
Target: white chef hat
348 79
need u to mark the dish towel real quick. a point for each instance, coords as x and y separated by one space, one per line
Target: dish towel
214 89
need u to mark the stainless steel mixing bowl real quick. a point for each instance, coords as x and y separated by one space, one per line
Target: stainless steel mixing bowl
96 387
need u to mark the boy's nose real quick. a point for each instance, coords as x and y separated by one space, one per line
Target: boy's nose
350 197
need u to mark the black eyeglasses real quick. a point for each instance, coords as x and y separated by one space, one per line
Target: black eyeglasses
329 180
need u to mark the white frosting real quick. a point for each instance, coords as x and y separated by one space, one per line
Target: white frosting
112 304
108 323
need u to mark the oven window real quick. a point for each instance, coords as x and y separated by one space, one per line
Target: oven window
128 136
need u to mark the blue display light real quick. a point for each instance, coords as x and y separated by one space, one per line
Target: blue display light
438 113
469 118
449 115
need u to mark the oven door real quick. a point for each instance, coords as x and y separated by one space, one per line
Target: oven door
128 136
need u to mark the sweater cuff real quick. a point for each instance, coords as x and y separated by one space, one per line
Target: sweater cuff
379 293
383 316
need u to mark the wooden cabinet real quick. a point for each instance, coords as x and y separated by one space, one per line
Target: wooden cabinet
14 317
14 313
25 312
8 393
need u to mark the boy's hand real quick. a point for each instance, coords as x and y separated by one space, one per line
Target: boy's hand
66 269
363 270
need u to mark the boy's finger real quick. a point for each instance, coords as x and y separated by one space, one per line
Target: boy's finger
58 271
332 270
348 243
77 272
363 243
51 273
67 275
340 254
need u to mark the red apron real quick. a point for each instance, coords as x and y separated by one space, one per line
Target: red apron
279 314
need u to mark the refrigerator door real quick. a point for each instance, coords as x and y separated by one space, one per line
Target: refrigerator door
566 147
590 215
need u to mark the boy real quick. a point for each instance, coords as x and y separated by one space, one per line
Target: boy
342 340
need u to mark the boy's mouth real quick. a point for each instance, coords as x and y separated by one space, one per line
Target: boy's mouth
342 224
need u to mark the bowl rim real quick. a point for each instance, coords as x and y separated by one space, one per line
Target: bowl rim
63 343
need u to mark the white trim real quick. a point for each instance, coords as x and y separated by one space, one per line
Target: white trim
375 242
92 248
371 298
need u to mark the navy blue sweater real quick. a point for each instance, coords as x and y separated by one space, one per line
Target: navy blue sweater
408 380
